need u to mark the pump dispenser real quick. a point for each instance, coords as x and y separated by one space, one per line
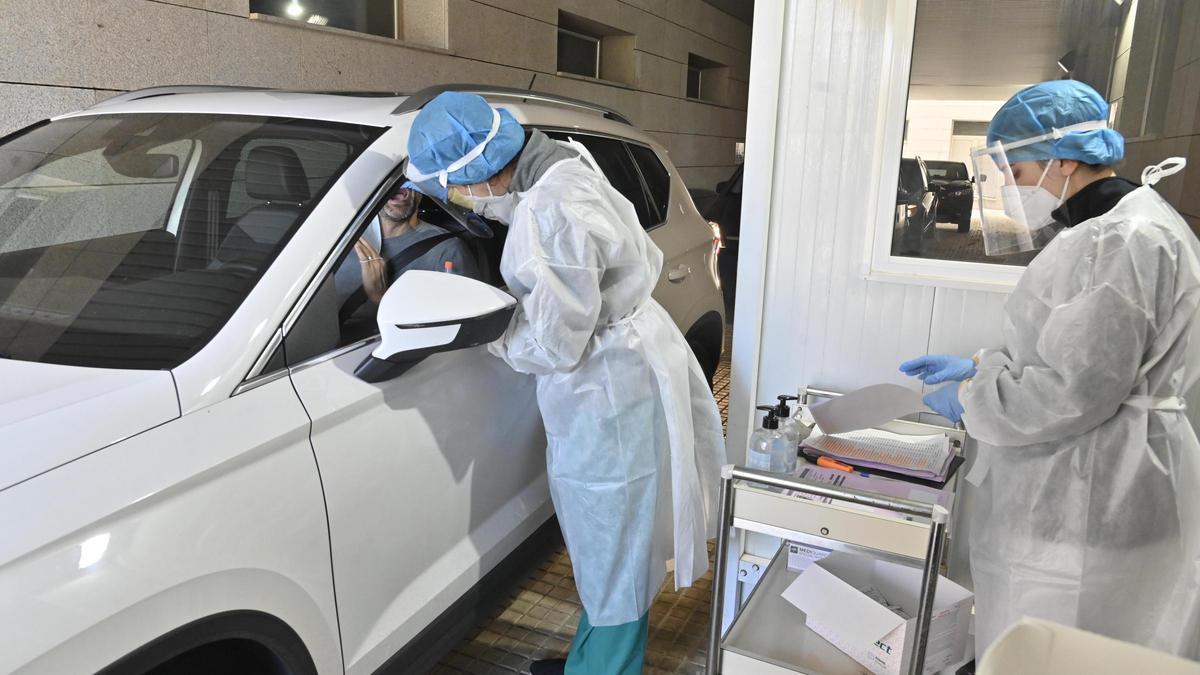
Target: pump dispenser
791 426
768 449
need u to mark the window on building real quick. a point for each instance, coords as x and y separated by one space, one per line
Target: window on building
932 213
578 54
376 17
707 80
591 49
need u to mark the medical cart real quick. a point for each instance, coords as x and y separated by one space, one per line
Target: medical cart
767 634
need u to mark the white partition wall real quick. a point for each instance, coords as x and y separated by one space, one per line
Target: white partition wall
825 125
822 73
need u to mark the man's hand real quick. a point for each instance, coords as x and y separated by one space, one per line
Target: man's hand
374 270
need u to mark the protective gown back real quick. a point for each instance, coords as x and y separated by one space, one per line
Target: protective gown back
634 435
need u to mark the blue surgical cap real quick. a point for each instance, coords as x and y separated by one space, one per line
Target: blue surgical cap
1057 104
451 126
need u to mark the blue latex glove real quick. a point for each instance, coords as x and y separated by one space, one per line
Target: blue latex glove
936 368
945 402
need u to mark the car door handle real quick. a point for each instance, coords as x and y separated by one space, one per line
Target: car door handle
679 274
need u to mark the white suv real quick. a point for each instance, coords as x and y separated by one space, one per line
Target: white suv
210 461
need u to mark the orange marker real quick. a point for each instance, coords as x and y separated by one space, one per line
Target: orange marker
449 266
833 464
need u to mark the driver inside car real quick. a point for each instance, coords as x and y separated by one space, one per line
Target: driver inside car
404 244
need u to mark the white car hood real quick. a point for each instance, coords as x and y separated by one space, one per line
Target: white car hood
51 414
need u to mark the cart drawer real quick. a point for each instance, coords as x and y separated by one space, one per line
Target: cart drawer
849 524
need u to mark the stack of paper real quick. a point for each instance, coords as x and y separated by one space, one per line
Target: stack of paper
925 457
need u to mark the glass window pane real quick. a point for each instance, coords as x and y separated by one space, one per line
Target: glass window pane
578 54
342 311
377 17
960 78
658 180
118 248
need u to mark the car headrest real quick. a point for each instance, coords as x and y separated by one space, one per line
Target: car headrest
274 173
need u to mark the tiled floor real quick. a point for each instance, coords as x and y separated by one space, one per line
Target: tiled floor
538 619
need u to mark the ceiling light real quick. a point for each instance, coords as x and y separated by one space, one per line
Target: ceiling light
294 10
319 20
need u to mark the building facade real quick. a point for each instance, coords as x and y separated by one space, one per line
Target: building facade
678 69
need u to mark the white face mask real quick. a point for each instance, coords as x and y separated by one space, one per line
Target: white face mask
1032 204
497 207
494 206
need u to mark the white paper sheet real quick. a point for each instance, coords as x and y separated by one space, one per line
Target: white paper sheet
867 407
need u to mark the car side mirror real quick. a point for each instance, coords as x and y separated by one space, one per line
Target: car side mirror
426 313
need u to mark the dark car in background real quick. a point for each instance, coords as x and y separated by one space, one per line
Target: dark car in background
955 192
724 207
916 208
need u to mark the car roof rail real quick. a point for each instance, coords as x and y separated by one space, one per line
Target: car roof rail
169 90
420 99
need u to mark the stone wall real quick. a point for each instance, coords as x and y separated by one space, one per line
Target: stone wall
62 55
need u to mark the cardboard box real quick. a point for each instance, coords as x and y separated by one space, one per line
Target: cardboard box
841 597
800 556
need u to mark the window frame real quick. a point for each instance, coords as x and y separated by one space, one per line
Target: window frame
258 375
397 12
878 263
583 36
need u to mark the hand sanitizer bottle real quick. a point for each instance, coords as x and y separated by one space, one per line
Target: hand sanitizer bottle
768 449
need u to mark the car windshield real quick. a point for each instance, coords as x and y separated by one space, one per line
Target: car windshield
127 241
946 171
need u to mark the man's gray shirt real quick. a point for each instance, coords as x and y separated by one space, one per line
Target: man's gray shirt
349 276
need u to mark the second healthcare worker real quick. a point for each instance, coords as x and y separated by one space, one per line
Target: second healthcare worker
1087 510
634 435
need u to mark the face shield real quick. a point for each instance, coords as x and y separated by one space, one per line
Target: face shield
1017 218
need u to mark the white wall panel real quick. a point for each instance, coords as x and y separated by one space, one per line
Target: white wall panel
802 290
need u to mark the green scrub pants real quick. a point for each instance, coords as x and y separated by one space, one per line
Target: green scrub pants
608 650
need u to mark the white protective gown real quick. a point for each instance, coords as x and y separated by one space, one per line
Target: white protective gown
634 435
1088 507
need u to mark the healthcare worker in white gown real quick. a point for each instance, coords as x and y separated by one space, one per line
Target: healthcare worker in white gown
1087 510
634 435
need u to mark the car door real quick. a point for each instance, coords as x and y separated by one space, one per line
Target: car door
430 478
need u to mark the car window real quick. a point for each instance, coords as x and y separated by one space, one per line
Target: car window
115 246
658 179
341 312
616 164
946 171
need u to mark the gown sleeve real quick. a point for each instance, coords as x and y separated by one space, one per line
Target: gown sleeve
1090 349
558 262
